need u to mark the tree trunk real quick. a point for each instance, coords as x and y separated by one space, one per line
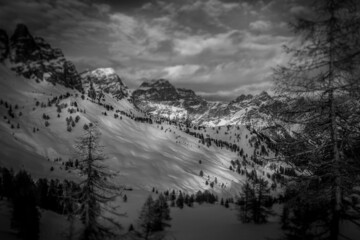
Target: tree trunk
335 221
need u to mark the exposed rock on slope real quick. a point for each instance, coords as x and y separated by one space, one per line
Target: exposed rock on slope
107 81
160 98
33 57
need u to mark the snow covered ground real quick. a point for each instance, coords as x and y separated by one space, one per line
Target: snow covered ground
143 155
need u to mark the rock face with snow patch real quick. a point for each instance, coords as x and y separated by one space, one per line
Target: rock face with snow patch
107 81
161 98
244 110
33 57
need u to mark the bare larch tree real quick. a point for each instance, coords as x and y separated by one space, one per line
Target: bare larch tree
319 94
97 191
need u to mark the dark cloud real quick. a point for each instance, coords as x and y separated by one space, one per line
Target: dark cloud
219 48
126 5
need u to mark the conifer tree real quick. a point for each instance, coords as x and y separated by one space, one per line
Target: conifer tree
180 201
7 182
246 201
96 190
319 91
25 215
147 217
254 201
154 217
162 214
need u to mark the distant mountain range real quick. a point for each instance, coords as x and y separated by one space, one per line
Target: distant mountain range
156 136
32 57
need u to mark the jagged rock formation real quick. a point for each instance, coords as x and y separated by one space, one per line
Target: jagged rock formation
106 81
160 98
34 58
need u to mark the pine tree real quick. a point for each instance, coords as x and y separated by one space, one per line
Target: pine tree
146 218
300 219
154 217
96 190
7 182
25 215
131 228
180 201
319 91
226 205
162 214
246 201
261 206
42 186
254 201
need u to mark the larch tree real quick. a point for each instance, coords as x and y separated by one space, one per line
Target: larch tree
246 199
154 218
146 218
162 213
96 190
25 215
254 202
319 93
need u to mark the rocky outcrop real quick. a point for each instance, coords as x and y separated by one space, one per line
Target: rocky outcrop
33 57
106 80
160 98
155 90
23 47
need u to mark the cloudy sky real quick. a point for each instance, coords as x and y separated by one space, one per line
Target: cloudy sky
218 48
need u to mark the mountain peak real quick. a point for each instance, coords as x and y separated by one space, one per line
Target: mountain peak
264 96
243 97
264 93
102 76
23 45
157 83
21 31
107 80
104 71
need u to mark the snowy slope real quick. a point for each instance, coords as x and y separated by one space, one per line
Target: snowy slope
160 98
144 155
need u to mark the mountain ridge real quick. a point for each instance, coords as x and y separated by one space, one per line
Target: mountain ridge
145 151
32 57
161 99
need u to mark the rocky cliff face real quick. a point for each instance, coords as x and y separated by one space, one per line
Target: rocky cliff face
160 98
34 58
106 81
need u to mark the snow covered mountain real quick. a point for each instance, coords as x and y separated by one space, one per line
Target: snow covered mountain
160 98
42 128
41 121
107 81
32 57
